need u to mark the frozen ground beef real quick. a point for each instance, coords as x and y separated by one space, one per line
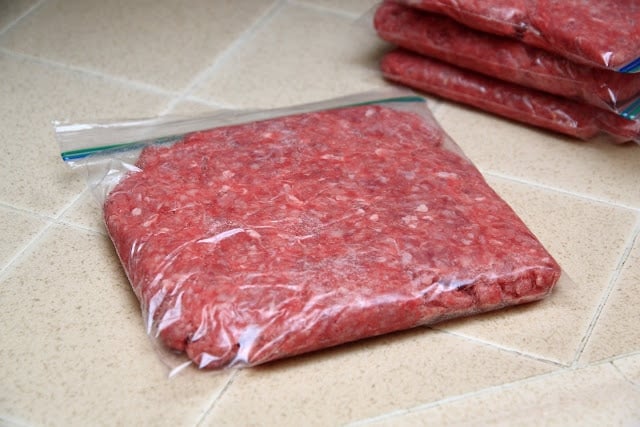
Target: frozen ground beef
442 38
258 241
604 33
506 99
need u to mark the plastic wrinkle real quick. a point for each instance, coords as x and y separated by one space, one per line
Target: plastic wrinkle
257 241
442 38
599 33
506 99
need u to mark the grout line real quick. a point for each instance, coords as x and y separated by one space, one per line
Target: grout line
460 397
624 376
583 196
21 17
476 393
27 212
217 397
13 261
134 84
327 9
613 281
50 222
503 348
206 73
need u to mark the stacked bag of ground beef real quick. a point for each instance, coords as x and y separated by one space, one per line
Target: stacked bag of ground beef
564 65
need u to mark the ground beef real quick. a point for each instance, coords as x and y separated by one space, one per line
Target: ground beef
443 38
506 99
258 241
604 33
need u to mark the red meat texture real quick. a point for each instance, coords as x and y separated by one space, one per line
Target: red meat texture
603 33
258 241
506 99
443 38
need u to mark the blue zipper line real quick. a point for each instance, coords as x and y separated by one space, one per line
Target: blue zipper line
85 152
631 67
632 110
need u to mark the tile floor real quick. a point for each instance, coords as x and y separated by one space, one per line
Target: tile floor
74 351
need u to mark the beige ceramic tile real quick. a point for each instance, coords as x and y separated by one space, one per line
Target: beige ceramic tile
163 43
594 396
322 56
617 330
17 230
86 213
358 7
10 10
74 348
190 107
365 379
629 368
32 175
587 239
599 169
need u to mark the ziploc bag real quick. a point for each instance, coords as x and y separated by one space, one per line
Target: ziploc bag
295 230
442 38
601 33
506 99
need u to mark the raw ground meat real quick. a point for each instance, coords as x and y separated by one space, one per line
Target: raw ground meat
506 99
258 241
603 33
443 38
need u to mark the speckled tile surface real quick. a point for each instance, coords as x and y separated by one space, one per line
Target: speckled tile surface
74 350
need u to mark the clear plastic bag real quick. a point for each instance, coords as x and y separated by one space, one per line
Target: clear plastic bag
444 39
600 33
506 99
295 230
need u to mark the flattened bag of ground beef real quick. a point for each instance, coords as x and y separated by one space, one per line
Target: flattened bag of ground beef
601 33
257 241
506 59
506 99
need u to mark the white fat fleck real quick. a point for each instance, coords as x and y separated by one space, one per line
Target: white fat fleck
136 211
221 236
360 211
410 175
253 233
294 199
374 217
228 174
422 208
150 220
446 175
406 258
410 221
267 135
480 199
332 157
370 112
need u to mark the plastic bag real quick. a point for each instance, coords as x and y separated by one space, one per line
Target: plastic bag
601 33
506 99
334 222
443 38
